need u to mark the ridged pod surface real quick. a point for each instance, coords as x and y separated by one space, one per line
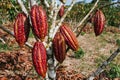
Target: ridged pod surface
59 47
61 11
99 22
39 21
70 37
21 29
39 58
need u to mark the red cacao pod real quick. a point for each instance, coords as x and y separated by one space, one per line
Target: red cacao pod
70 37
39 58
99 22
59 47
21 29
61 11
39 21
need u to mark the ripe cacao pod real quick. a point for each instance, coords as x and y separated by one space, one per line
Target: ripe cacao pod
59 47
99 22
61 11
21 29
70 37
39 58
39 21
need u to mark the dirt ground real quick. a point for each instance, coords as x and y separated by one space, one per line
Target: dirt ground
16 63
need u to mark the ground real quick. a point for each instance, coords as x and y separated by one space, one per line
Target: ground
16 63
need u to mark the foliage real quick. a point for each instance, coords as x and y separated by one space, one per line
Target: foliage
114 71
31 34
78 12
4 47
79 54
8 10
118 42
112 13
82 33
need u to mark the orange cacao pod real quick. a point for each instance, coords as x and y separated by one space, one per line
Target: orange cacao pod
39 21
61 11
59 47
70 37
39 58
21 29
99 22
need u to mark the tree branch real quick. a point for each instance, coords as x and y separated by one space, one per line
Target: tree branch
22 7
52 9
32 2
54 21
62 19
78 33
81 22
104 64
86 21
46 3
14 7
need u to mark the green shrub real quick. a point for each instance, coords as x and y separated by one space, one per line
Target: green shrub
118 42
114 71
79 54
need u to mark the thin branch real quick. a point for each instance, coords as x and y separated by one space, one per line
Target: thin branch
63 17
2 40
22 7
52 9
78 33
81 22
104 64
46 3
11 33
54 20
14 7
32 2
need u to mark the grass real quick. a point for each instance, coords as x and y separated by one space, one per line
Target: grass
79 54
118 42
83 33
100 60
114 71
4 47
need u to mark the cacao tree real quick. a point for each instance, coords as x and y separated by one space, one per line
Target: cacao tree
51 33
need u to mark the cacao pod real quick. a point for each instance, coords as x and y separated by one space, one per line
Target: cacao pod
39 21
21 29
70 37
59 47
39 58
61 11
99 22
